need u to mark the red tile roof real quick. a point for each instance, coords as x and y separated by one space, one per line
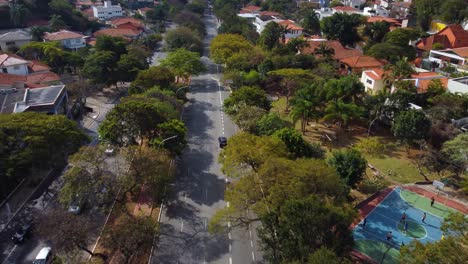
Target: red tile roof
380 19
251 8
11 79
37 66
462 52
452 36
61 35
345 9
375 74
340 51
401 4
117 32
116 22
290 25
362 62
270 13
44 77
145 9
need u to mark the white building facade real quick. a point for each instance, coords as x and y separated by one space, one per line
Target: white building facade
107 11
13 65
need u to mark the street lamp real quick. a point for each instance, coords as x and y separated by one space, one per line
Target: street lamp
166 139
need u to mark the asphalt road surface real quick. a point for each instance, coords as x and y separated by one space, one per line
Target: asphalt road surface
199 188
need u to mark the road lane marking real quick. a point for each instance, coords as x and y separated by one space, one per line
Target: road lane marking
230 260
230 248
229 236
9 254
253 256
181 225
251 243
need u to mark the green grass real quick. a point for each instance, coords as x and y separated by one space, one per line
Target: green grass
424 203
279 107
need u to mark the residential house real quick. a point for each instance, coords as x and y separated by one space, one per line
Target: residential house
250 9
357 64
126 22
422 80
376 10
294 30
126 33
68 39
339 52
458 85
324 12
400 9
14 39
457 57
354 3
12 64
374 80
346 9
107 11
453 36
393 22
50 100
265 17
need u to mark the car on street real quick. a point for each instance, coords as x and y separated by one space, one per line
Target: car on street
222 142
44 256
22 232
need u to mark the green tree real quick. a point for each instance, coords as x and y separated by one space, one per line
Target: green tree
224 46
50 53
425 11
117 45
342 112
385 51
190 20
173 127
305 105
246 117
130 235
240 26
269 123
151 41
325 52
154 76
56 22
136 119
376 31
184 63
100 67
183 37
400 69
37 32
350 165
291 80
348 89
325 255
269 38
311 23
454 11
18 14
303 225
411 126
342 27
130 64
298 146
457 151
335 3
246 96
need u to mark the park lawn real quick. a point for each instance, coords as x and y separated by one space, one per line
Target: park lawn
397 166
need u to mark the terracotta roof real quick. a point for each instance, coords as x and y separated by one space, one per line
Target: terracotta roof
11 59
345 9
424 74
251 8
362 62
340 51
375 74
44 77
452 36
117 32
61 35
462 52
11 79
380 19
125 20
145 9
290 25
37 66
401 4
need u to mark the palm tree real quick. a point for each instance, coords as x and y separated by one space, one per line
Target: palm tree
284 30
18 12
400 69
342 112
325 51
304 105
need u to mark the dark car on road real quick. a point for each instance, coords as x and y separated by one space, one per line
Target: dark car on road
222 142
23 231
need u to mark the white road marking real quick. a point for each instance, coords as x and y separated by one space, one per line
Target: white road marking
230 260
230 248
251 243
253 256
9 255
229 236
181 225
205 223
229 224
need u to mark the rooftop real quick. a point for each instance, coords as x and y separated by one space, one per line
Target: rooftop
290 25
62 35
375 74
374 19
340 52
117 32
345 9
362 62
7 60
16 35
39 97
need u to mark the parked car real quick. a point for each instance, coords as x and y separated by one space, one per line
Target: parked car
44 256
222 142
76 205
22 232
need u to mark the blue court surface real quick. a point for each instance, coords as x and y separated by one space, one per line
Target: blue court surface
371 240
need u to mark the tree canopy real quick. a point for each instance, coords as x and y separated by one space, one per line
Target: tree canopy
183 37
342 27
350 165
224 46
410 126
297 145
184 63
246 96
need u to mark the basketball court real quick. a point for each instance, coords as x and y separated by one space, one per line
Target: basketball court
385 216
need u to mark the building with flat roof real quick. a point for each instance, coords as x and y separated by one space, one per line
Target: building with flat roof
50 100
107 11
458 85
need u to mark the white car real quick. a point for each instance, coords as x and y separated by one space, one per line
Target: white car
44 256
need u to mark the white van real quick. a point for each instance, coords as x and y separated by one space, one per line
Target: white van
44 256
